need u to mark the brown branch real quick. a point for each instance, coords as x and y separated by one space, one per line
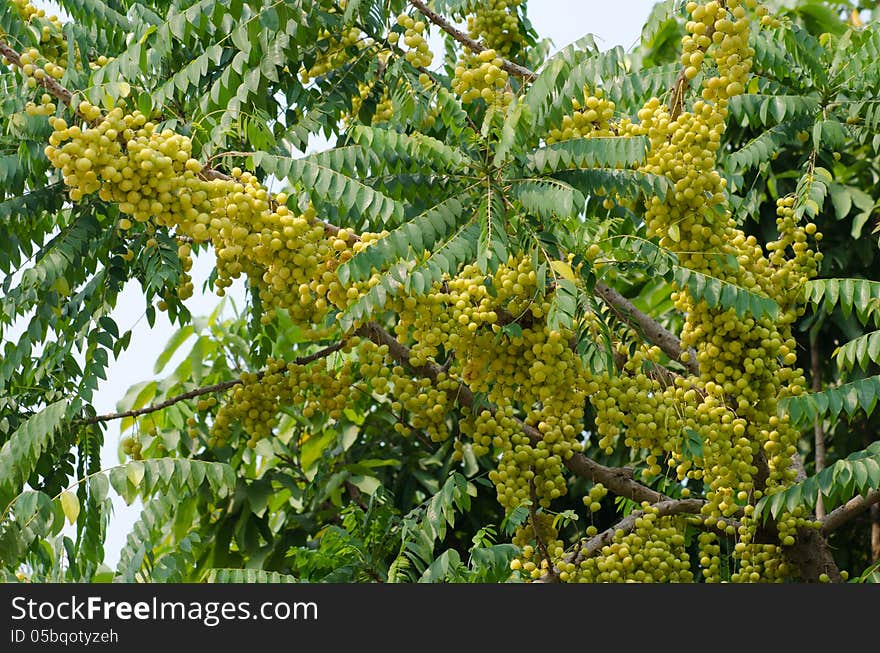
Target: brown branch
668 342
54 89
210 389
474 46
64 95
588 547
852 508
594 544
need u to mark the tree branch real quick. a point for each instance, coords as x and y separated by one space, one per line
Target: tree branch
593 545
474 46
210 389
668 342
852 508
54 89
64 95
652 330
588 547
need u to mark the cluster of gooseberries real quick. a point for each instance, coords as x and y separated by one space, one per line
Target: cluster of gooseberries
418 54
591 118
53 47
480 75
496 24
333 52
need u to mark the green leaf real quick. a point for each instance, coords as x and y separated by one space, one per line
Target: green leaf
610 152
445 564
549 198
134 472
860 351
851 397
718 293
398 151
248 576
21 452
431 226
861 295
692 444
563 306
630 184
326 184
857 473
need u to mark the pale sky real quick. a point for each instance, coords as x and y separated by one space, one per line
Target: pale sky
564 21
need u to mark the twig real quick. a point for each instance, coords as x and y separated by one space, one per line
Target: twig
54 89
198 392
588 547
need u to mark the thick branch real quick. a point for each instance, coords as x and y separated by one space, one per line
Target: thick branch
852 508
474 46
668 342
588 547
210 389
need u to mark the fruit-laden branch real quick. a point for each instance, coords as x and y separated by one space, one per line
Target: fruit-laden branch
588 547
54 89
617 479
209 389
474 46
649 327
668 342
659 373
65 96
210 173
852 508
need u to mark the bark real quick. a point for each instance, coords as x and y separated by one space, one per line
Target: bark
652 331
